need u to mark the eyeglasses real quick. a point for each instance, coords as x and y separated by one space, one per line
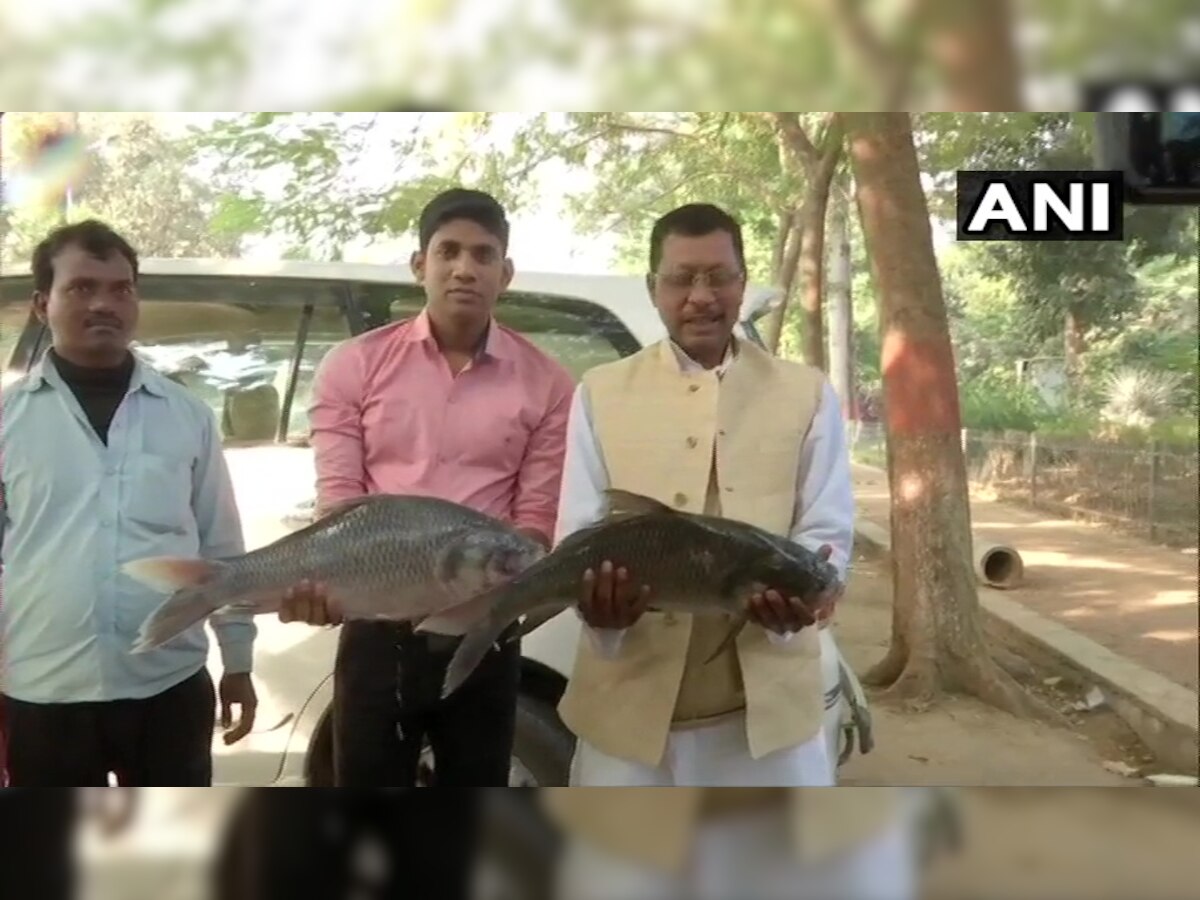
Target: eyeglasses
716 279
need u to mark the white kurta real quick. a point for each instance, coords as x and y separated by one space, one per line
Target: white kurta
717 754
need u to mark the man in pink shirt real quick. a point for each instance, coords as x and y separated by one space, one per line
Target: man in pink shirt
448 404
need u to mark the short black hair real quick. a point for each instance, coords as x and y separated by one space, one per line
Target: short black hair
479 207
694 220
92 236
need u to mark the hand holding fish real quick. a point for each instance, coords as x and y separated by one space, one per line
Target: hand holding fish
608 599
783 615
309 603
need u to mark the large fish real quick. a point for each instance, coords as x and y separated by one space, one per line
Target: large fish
693 564
383 556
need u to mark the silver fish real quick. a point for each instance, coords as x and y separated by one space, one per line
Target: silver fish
392 557
695 564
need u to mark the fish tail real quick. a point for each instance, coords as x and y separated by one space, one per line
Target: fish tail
189 581
470 653
735 628
172 573
180 612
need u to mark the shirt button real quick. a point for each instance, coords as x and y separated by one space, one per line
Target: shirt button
693 388
693 442
669 618
680 499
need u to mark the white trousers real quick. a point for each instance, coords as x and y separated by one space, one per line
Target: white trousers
716 755
748 857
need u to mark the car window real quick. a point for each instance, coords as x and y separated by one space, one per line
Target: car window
232 342
14 319
576 332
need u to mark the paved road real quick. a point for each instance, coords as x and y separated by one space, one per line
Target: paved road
1136 599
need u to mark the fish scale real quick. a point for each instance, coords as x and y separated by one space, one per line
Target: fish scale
694 564
381 557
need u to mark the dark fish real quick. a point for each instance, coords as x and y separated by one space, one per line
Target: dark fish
695 564
383 556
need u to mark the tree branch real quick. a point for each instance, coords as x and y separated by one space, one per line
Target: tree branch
788 124
890 68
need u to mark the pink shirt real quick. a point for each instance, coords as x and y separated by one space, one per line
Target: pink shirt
389 416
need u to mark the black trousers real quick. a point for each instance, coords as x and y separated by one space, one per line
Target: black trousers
162 741
387 703
37 835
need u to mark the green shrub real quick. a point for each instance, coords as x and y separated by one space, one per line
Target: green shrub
997 401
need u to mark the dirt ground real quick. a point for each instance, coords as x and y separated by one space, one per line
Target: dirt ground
1134 598
963 742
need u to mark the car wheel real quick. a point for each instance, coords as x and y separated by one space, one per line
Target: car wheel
318 763
542 748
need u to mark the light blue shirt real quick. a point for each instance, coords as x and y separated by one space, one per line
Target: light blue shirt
73 511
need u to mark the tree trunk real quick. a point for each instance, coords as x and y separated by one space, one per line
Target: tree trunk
786 282
973 49
812 269
779 250
1073 337
841 316
938 643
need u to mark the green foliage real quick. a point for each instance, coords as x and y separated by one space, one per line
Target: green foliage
996 401
139 180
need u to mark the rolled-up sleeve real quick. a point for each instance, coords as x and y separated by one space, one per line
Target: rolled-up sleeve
337 430
540 478
219 525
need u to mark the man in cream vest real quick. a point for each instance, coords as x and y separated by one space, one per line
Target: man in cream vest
707 424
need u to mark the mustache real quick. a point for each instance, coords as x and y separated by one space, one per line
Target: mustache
111 321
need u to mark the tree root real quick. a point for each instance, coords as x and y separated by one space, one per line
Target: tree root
917 688
886 672
1014 664
995 687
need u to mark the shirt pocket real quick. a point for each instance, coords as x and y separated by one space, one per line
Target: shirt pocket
158 494
493 439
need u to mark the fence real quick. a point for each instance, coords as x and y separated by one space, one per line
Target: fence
1151 491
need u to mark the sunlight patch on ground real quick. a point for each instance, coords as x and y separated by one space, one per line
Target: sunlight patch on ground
1172 637
1172 598
1067 561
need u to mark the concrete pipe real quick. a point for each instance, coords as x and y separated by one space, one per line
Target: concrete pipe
999 566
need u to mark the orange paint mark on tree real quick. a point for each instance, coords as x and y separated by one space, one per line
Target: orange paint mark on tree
920 391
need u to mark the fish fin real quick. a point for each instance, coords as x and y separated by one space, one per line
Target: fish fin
458 619
334 512
735 628
626 504
172 573
179 613
470 653
535 620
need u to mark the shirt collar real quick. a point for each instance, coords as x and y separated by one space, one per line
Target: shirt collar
495 343
143 378
688 365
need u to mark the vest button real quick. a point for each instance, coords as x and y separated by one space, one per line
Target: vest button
693 441
693 388
680 499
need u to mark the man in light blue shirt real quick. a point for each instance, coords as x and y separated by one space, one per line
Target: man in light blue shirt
104 461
